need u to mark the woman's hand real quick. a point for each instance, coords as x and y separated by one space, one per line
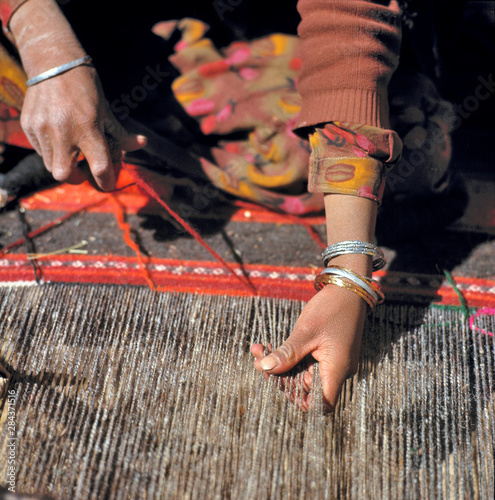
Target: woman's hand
330 327
329 331
68 114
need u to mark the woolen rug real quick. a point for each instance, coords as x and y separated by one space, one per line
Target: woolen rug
122 392
127 341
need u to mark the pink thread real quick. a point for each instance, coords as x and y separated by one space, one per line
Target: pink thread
488 311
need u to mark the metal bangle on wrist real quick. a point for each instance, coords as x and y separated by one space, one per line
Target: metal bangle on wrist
371 286
58 70
367 288
354 247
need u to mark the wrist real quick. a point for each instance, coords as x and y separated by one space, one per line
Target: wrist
43 37
351 218
361 264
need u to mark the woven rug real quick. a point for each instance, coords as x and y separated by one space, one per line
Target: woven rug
153 395
128 346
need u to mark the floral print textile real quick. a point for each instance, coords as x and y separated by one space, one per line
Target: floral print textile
251 87
351 159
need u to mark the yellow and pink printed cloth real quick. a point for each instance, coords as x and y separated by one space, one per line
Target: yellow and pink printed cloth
246 96
251 87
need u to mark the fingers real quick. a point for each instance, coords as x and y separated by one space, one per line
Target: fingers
101 151
299 344
329 331
332 380
132 142
95 148
61 123
295 388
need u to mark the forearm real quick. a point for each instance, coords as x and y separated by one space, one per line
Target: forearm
43 36
351 218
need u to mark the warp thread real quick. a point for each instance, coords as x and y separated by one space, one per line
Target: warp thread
145 186
126 229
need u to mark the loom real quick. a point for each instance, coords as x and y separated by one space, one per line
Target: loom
126 393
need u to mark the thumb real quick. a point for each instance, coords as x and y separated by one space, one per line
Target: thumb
332 380
133 142
293 350
119 139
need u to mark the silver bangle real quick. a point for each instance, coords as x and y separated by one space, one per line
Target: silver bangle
358 247
58 70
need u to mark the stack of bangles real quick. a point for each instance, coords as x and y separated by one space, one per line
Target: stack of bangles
367 288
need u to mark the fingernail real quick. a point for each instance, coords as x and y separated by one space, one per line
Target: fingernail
269 363
142 139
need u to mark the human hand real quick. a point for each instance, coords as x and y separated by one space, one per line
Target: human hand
68 115
329 331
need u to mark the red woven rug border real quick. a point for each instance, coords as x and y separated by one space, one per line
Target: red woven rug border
207 277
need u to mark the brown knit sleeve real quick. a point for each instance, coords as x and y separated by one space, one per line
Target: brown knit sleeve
350 48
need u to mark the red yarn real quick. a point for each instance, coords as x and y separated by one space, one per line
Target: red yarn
126 229
150 190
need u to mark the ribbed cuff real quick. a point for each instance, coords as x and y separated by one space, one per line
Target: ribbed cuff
366 107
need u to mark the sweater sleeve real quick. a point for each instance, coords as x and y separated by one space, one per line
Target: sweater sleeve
7 8
350 48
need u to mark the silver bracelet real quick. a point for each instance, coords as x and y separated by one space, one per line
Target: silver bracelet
58 70
359 247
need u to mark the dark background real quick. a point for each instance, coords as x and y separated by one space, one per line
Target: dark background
451 41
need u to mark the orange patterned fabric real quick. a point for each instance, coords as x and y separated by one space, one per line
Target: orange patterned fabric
12 91
351 159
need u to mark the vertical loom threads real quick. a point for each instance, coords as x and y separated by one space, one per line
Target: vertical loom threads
126 393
